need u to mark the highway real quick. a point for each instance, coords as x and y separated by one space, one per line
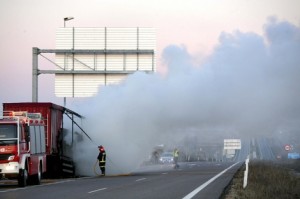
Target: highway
244 152
265 150
191 180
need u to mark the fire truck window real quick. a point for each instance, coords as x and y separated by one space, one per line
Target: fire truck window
8 131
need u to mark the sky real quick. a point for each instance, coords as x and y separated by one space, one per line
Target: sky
224 68
194 24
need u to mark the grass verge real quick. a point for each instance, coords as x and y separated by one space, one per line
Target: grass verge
266 180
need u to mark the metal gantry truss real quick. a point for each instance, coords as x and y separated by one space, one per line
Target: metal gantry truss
72 52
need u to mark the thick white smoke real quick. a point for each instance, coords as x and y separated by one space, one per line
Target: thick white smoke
248 86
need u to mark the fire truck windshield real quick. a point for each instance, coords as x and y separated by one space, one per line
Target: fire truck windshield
8 134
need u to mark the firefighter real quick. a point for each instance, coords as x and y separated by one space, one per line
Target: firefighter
175 157
102 158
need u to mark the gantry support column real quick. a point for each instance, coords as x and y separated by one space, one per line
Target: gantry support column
35 53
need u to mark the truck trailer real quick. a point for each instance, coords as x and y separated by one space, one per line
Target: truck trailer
31 142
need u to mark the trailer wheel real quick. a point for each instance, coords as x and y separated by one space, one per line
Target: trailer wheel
36 179
23 177
38 176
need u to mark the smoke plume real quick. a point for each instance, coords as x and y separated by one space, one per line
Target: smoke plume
248 86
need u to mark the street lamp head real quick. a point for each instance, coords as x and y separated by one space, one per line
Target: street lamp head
68 18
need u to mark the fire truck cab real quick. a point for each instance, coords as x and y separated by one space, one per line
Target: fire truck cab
22 147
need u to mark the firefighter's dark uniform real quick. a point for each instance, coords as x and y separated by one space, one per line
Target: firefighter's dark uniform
102 159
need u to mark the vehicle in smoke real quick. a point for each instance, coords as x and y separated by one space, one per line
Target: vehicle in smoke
166 158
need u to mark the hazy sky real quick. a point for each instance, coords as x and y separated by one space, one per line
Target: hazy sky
195 24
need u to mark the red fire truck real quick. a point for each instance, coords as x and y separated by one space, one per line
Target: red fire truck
22 146
31 142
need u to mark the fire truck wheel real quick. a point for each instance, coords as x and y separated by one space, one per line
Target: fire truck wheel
38 177
23 177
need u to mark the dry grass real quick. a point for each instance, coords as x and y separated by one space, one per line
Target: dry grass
266 180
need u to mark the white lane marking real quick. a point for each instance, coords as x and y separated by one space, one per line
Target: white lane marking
41 185
141 179
52 183
97 190
193 193
164 173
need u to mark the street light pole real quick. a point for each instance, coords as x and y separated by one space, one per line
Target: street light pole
66 19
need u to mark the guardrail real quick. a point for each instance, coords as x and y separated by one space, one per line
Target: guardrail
246 173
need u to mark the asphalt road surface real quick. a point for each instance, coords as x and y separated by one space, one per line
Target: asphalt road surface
191 180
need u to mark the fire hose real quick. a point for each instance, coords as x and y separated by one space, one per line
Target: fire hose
95 165
97 161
